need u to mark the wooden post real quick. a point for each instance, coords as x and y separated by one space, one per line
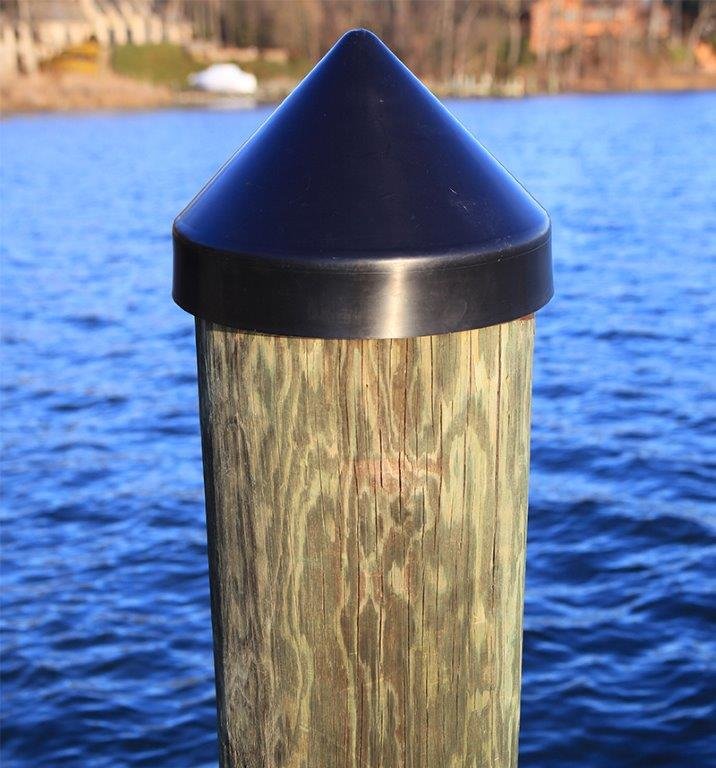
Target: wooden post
366 508
364 337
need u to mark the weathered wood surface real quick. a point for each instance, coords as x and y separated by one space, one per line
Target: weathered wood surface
366 507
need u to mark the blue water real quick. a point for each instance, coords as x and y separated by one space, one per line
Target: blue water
106 640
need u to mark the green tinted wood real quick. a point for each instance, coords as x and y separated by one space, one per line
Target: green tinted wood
366 509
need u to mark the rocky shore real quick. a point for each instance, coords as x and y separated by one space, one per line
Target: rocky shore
70 92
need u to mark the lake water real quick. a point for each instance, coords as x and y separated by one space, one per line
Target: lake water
106 649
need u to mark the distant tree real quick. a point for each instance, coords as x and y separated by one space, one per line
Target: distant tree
704 24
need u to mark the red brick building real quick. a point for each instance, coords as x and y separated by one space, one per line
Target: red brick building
558 25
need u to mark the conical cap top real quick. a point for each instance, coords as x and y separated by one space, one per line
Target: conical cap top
362 208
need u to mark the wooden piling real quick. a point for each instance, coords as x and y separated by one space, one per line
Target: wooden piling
364 276
366 510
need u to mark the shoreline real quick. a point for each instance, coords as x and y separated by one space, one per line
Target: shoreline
44 93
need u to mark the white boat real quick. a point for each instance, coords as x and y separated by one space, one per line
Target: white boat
225 78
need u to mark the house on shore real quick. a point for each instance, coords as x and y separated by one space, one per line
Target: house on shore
33 31
556 26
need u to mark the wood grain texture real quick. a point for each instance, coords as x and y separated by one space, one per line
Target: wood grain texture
366 512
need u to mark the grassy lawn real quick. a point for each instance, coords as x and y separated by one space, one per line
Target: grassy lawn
163 63
170 64
268 70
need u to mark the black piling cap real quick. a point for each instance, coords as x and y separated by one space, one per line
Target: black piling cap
362 209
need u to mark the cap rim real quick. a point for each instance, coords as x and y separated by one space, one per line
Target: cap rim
359 296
